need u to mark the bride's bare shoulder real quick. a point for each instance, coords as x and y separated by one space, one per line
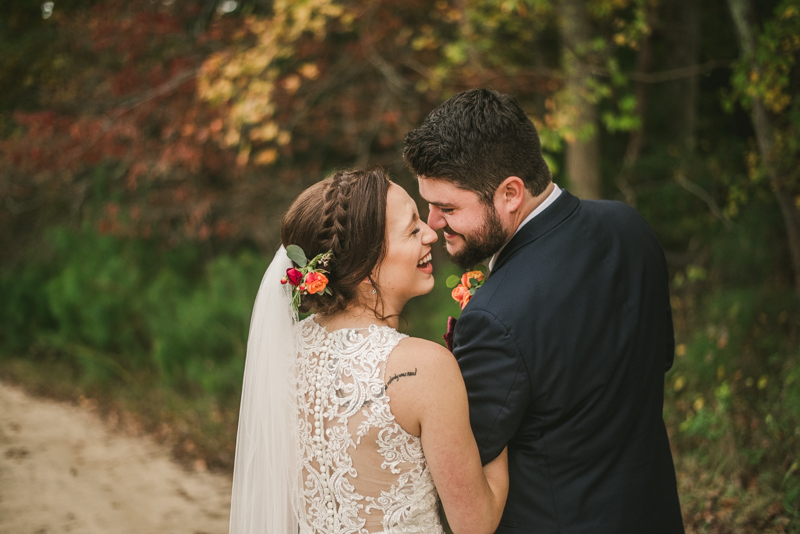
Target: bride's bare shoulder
421 376
423 353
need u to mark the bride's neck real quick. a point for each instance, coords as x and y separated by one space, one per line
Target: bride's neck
357 316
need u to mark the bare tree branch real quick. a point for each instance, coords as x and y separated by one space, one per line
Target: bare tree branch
683 72
705 196
152 94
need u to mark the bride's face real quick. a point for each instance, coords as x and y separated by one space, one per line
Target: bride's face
406 271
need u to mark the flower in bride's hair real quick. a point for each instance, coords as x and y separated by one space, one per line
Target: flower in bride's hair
307 278
316 282
294 276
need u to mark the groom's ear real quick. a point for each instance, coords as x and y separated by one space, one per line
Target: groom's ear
510 194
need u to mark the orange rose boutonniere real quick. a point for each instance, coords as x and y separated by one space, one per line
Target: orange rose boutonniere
466 286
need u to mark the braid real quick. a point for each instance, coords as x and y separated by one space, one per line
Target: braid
345 215
334 221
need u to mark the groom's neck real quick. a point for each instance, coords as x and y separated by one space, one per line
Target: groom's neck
529 204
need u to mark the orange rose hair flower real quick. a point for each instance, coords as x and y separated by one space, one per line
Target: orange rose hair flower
316 282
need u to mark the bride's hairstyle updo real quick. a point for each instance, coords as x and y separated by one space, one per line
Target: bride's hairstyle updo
344 214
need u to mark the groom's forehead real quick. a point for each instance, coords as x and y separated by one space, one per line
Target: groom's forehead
442 192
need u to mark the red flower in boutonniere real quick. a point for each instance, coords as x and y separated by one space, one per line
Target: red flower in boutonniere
466 286
448 337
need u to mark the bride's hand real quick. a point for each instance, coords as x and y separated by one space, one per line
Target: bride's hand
496 473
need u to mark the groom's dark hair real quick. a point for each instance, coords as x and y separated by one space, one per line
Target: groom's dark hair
476 140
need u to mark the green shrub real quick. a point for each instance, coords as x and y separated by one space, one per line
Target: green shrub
125 310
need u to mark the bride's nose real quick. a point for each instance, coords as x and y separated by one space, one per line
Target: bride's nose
428 234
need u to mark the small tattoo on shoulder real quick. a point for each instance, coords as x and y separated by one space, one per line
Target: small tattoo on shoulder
398 377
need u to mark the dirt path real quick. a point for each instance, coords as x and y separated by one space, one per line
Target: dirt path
62 470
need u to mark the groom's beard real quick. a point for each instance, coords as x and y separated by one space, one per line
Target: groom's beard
480 246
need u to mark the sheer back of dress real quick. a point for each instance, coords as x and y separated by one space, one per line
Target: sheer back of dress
361 472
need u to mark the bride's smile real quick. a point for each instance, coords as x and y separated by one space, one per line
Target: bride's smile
407 270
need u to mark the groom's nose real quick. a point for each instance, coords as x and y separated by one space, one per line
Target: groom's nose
435 219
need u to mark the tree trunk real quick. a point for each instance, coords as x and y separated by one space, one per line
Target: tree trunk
764 126
583 152
681 33
644 64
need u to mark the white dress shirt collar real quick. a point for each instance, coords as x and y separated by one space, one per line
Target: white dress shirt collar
554 194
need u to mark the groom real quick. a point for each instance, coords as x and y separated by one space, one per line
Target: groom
564 348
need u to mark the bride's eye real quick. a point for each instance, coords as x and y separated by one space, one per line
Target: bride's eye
415 232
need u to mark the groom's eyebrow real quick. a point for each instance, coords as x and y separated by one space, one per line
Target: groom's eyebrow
441 205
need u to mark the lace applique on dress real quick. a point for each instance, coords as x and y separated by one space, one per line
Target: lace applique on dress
361 472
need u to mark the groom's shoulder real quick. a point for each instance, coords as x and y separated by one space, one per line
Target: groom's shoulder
611 210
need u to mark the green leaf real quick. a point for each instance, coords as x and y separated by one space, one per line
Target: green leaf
327 291
453 281
473 282
297 255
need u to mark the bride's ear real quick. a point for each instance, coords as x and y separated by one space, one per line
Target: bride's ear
368 285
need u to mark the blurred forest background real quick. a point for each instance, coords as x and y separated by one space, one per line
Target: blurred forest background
148 150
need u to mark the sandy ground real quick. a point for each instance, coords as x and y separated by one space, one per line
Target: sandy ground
63 470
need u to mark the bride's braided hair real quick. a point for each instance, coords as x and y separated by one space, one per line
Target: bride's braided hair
334 220
344 214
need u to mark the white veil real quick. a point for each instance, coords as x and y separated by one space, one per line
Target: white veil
265 474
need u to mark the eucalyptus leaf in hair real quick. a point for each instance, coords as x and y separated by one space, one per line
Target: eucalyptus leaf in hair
297 255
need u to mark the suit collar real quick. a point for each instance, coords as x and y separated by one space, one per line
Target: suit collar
554 194
559 210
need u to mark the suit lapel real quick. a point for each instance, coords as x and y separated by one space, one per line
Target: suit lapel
559 210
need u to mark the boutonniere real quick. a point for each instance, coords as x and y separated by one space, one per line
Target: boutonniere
466 286
448 336
310 277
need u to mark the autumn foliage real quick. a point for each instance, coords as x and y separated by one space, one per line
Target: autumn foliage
149 148
198 122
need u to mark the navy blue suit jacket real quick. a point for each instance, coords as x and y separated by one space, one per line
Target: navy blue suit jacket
563 352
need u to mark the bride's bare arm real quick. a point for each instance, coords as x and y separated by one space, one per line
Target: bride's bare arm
428 399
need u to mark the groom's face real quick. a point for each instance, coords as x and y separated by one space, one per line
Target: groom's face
472 229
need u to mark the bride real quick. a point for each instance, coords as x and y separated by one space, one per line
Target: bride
347 425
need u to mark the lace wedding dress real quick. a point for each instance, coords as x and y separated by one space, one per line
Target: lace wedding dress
361 472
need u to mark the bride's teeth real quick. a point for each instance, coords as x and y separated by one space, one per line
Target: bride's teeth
424 260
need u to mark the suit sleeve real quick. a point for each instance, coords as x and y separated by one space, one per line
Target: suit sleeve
496 377
669 349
